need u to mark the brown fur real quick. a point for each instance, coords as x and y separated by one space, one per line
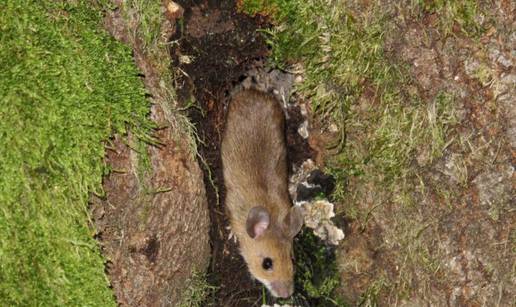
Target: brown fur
255 174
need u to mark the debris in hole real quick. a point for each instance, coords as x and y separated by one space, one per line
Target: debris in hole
299 175
274 81
174 11
307 183
303 130
185 59
318 216
325 181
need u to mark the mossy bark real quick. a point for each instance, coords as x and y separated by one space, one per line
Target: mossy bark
154 218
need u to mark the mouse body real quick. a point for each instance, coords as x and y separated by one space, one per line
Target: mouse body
254 161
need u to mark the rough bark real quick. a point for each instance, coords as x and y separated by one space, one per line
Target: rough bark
153 225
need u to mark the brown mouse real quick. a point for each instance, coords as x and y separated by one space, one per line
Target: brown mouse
254 160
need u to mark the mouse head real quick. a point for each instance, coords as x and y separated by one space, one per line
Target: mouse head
267 248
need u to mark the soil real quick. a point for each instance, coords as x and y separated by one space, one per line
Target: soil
219 51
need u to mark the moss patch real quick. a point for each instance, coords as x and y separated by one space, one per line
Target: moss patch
317 275
67 87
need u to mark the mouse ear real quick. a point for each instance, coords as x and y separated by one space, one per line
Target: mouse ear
293 221
258 221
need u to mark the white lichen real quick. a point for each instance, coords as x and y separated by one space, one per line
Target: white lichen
318 216
317 213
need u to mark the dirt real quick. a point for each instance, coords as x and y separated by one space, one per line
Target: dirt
218 51
153 221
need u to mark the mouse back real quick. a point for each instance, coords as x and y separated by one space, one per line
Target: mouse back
254 160
253 148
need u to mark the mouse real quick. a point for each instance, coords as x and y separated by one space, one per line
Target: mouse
255 172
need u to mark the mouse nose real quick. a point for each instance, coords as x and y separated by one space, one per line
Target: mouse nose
282 289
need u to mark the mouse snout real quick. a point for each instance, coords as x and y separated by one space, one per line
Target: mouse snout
282 289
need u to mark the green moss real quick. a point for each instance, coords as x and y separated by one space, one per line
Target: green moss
66 88
317 275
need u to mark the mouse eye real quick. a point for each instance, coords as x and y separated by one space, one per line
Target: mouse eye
267 264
